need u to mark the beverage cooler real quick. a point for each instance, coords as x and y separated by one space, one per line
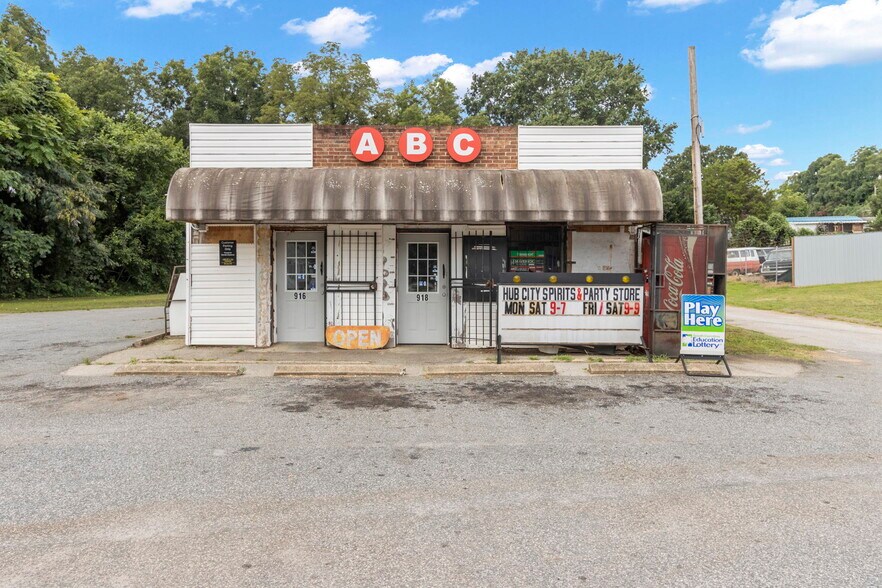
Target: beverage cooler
678 260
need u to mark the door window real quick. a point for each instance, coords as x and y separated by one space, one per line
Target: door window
422 267
300 266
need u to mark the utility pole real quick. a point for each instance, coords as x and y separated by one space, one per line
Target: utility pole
697 199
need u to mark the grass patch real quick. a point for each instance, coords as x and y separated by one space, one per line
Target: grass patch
746 342
82 303
857 303
562 358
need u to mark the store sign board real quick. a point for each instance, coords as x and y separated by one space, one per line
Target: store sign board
353 337
703 325
415 144
227 253
603 314
367 144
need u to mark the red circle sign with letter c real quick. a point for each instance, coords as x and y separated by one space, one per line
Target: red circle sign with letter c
367 144
415 144
464 145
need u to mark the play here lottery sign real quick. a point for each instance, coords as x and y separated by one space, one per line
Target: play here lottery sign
703 325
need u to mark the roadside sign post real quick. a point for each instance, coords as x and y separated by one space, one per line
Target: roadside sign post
703 331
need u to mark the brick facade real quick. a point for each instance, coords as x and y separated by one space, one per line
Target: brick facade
499 148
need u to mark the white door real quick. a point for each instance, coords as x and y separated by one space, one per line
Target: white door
300 286
423 275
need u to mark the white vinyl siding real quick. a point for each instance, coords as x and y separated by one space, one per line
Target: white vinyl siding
223 309
603 147
250 145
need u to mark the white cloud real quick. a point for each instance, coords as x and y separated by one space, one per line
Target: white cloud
154 8
783 175
760 152
779 162
450 13
391 72
341 25
667 4
743 129
460 74
803 34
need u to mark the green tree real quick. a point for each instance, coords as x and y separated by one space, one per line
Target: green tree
675 178
107 85
752 232
431 104
21 33
560 87
790 203
737 188
169 96
280 87
782 232
132 164
333 88
228 88
440 102
831 184
48 203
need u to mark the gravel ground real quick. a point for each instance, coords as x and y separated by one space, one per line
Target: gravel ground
484 482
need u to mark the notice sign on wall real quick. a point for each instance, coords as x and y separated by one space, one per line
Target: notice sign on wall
227 252
703 325
538 312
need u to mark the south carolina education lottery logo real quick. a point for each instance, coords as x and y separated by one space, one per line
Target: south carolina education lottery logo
703 325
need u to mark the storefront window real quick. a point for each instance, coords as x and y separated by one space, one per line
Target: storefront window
300 263
536 248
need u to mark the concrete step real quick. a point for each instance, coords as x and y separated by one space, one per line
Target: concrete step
481 369
179 369
340 370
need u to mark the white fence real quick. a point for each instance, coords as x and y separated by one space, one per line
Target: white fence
837 259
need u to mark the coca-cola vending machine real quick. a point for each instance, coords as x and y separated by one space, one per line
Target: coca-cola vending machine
678 260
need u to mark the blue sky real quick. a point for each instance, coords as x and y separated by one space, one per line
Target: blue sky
789 81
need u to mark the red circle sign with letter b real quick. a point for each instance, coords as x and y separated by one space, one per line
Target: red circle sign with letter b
367 144
415 144
464 145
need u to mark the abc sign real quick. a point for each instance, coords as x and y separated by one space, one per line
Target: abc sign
415 144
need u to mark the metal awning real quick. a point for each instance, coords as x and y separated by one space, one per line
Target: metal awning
413 195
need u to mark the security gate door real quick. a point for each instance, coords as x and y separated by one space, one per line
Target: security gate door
300 286
423 292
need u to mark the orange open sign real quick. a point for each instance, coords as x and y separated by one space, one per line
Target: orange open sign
371 337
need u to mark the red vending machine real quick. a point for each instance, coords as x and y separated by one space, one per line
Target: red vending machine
678 260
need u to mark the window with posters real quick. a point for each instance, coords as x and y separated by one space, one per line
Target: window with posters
536 248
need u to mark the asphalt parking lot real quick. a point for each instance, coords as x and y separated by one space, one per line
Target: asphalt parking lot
471 482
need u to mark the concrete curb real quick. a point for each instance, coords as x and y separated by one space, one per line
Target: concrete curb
344 370
634 368
482 369
148 340
178 369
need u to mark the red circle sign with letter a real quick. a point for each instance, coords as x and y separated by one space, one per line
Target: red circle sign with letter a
367 144
415 144
464 145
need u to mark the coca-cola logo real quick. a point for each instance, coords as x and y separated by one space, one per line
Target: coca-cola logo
673 273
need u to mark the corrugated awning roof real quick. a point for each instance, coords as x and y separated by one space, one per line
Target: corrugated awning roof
358 195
